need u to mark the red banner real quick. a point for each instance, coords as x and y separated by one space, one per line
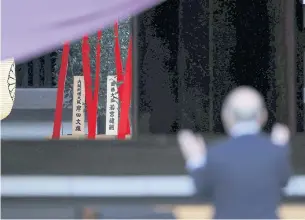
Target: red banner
119 69
126 96
60 91
91 99
91 96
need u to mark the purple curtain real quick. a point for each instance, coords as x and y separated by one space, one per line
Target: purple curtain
33 27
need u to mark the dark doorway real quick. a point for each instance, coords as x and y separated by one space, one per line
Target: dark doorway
252 62
158 48
189 61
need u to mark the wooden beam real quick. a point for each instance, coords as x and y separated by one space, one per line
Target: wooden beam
290 71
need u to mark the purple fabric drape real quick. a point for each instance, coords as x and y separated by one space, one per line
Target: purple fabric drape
33 27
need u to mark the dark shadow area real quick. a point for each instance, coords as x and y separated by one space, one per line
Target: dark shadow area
194 65
189 61
158 47
251 62
300 49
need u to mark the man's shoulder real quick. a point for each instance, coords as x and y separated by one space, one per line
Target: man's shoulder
218 147
262 141
256 139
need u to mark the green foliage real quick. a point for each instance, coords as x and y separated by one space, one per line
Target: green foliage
107 61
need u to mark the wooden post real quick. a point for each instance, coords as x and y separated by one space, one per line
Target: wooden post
136 71
290 71
36 72
304 86
78 117
47 71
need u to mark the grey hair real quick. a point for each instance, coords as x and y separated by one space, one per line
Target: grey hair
243 115
235 111
246 116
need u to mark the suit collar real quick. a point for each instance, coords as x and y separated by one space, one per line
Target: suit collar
245 128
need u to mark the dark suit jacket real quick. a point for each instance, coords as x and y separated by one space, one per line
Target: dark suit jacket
244 177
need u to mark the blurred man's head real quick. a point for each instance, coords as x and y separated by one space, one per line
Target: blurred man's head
243 105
